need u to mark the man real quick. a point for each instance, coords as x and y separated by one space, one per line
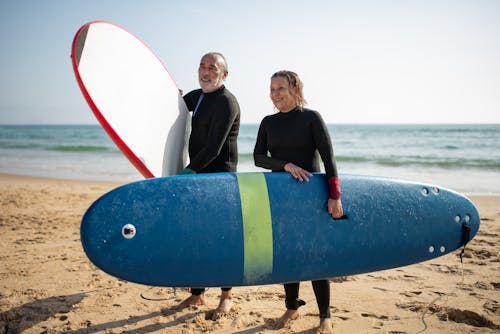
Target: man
212 143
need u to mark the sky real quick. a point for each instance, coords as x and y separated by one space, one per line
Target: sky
400 61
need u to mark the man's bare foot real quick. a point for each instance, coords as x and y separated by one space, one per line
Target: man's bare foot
225 305
286 318
325 326
191 301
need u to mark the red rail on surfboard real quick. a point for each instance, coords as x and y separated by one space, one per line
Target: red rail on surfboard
133 97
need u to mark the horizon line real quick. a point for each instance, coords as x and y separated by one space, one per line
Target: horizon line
256 123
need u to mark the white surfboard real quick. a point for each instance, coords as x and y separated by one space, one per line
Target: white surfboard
133 97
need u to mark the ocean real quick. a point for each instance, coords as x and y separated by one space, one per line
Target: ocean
465 158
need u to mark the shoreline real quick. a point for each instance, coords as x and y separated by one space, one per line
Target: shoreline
49 286
256 169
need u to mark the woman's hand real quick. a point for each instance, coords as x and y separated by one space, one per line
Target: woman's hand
297 172
335 208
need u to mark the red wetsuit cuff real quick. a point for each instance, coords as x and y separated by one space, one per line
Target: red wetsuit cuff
334 187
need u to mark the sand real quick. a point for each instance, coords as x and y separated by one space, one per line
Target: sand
49 286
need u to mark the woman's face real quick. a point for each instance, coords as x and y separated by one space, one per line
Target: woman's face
282 95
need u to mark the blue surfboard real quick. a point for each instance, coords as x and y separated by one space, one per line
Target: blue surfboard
237 229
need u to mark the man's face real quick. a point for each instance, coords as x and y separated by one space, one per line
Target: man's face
211 73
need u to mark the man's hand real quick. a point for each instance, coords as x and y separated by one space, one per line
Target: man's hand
187 171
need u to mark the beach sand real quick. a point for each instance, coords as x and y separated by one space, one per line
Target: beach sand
49 286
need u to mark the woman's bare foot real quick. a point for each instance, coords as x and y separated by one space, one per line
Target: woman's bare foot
225 305
286 318
191 301
325 326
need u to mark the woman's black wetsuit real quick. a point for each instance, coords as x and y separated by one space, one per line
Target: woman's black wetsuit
297 137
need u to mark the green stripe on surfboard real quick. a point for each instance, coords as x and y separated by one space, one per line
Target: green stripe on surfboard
257 226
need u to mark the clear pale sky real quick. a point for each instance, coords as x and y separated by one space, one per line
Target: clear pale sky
400 61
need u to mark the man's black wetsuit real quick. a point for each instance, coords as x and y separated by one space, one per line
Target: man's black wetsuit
214 131
213 143
297 137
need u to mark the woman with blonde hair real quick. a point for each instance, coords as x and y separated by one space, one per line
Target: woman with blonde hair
289 141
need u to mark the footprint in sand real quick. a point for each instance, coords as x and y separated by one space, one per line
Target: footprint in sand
467 317
410 294
492 307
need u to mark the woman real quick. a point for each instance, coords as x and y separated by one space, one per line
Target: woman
292 137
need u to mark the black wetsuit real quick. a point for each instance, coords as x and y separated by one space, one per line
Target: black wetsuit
214 131
297 137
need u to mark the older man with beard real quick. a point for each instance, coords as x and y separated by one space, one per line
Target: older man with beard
213 141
